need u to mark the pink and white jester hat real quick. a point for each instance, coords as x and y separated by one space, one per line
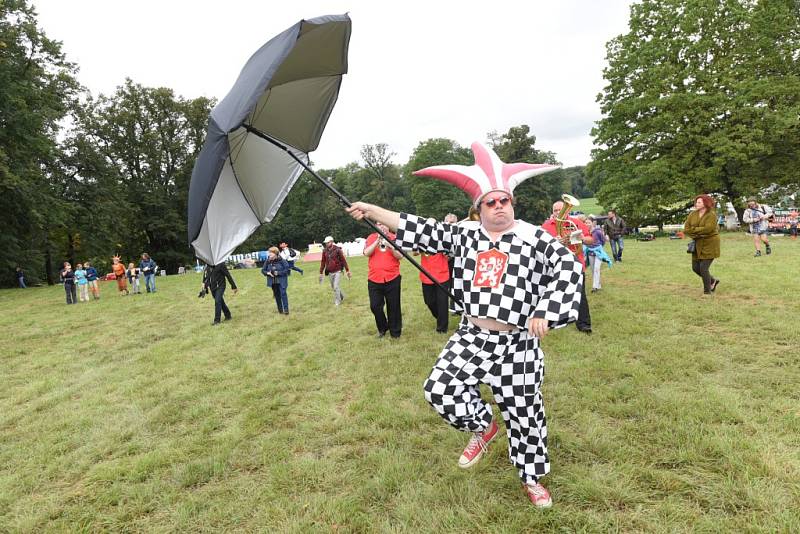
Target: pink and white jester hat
488 174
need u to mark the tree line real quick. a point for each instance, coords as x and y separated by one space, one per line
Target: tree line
701 97
85 177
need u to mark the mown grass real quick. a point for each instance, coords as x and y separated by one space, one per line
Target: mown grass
680 413
590 206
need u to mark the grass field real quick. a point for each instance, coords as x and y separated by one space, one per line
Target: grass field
681 413
590 206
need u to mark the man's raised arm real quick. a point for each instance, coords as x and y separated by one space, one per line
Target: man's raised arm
359 210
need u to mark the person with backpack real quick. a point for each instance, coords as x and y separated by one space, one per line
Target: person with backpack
331 265
758 216
290 255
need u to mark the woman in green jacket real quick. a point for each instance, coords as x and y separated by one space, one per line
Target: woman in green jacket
701 225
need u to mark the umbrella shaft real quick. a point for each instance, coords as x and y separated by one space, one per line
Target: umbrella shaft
346 203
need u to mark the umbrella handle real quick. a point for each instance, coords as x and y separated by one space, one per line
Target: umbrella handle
346 203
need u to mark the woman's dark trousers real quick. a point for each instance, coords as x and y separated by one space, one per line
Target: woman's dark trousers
701 269
387 293
436 300
219 305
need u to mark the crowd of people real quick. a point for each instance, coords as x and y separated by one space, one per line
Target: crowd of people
84 278
510 283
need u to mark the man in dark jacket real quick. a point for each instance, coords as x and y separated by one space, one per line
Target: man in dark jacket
615 229
214 282
148 267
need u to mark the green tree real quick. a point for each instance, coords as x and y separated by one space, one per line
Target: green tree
141 143
434 198
534 196
37 90
703 96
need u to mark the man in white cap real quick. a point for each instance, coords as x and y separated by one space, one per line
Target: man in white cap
331 265
515 282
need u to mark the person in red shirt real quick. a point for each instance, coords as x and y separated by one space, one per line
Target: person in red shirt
384 283
436 299
584 322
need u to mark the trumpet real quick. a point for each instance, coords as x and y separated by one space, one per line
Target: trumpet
565 228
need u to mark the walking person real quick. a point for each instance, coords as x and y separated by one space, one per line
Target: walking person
82 282
134 273
597 255
149 269
516 282
20 277
120 273
91 277
758 216
291 256
701 226
584 322
383 283
67 276
214 282
331 265
276 269
615 230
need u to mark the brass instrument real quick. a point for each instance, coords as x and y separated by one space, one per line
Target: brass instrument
566 228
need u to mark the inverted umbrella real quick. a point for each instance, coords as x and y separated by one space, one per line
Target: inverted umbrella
259 136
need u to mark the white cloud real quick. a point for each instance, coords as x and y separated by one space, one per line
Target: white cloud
418 69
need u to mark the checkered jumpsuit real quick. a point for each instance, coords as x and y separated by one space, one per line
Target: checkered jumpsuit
525 273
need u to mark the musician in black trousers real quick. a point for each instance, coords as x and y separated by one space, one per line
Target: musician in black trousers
584 322
214 282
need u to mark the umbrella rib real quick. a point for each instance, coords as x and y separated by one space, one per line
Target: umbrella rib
241 189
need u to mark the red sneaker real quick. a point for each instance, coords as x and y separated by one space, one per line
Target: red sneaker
477 445
538 495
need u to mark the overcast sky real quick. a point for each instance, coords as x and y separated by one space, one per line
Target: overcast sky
417 69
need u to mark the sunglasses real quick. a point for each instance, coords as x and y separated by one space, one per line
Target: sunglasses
490 203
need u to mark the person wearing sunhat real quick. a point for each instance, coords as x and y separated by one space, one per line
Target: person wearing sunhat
331 265
290 255
515 282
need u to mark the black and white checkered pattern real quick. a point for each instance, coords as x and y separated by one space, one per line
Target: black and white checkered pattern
512 364
542 278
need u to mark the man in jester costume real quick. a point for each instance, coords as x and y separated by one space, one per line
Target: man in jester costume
515 282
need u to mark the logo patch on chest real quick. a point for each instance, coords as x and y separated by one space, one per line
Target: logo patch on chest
490 266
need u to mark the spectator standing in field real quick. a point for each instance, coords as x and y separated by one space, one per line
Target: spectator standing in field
793 223
597 255
91 277
291 256
67 276
214 282
134 273
331 265
277 270
148 268
701 225
120 274
584 322
82 283
615 230
383 283
435 298
758 216
20 277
